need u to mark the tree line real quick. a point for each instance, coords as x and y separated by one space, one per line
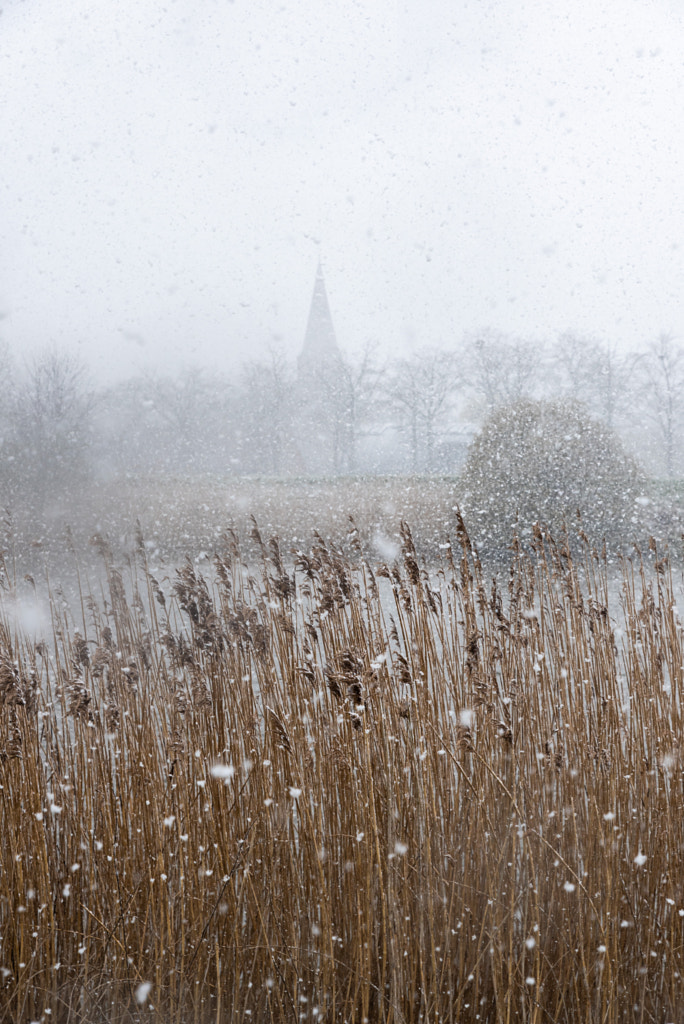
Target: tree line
368 413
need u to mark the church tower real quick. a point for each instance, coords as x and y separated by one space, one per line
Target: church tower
320 349
324 395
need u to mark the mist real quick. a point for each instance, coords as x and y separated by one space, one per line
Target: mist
321 244
171 175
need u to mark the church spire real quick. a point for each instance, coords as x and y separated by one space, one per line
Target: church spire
320 343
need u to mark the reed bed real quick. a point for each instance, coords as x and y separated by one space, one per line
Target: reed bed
338 791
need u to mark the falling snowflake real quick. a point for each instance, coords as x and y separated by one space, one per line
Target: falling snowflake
142 992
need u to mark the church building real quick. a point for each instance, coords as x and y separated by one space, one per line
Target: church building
324 392
320 349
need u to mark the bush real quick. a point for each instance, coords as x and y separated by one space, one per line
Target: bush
545 462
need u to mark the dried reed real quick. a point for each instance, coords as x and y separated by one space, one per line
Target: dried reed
338 793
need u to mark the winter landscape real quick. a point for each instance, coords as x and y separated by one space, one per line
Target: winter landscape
341 513
310 744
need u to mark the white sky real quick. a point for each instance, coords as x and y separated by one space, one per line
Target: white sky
168 167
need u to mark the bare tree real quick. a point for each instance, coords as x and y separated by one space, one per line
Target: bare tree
594 372
662 373
311 421
193 409
421 389
501 370
182 423
573 362
126 428
364 384
7 376
324 401
267 413
612 385
51 424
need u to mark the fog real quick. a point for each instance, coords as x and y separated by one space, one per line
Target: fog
171 174
245 243
508 431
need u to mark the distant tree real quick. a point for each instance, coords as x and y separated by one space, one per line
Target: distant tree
539 461
266 417
501 370
591 371
421 390
50 416
661 369
192 408
177 423
365 377
573 360
8 468
7 379
129 436
324 399
613 383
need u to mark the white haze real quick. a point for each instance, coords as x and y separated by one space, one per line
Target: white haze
170 171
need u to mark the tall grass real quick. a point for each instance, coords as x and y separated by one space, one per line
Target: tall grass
182 513
339 792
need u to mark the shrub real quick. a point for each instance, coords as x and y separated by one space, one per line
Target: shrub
546 462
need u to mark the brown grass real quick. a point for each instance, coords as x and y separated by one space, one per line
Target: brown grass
346 793
185 514
181 515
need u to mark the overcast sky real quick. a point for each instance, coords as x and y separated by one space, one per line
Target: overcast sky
171 168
